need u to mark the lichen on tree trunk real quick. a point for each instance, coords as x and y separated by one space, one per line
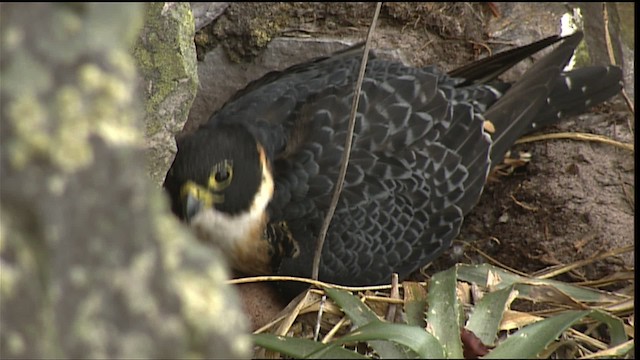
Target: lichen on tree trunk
92 265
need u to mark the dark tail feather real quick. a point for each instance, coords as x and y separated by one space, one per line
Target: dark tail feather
576 91
513 113
488 69
516 109
541 97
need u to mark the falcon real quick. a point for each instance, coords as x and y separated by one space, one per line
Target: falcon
257 178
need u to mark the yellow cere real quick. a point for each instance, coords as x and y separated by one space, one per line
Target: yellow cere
202 194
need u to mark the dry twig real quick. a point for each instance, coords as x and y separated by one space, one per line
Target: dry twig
347 148
576 136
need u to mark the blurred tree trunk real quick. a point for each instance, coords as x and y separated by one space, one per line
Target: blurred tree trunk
92 265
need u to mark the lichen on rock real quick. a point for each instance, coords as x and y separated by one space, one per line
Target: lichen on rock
166 59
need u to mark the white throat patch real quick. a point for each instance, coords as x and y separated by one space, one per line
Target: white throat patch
235 234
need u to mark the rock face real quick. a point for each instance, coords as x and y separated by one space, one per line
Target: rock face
220 78
92 265
166 59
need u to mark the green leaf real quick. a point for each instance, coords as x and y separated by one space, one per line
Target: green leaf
357 311
529 341
361 315
423 344
485 319
444 316
301 348
616 326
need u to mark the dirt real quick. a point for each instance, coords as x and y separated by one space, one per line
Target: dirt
574 200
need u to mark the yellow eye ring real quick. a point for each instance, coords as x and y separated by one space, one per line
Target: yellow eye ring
221 175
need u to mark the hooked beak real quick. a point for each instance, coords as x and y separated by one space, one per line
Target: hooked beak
191 207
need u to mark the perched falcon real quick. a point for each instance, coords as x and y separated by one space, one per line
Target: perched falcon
257 178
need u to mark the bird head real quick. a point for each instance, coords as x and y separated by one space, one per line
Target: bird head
221 184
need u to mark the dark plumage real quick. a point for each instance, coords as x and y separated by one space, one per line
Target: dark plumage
419 161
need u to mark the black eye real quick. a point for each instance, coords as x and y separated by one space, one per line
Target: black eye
222 174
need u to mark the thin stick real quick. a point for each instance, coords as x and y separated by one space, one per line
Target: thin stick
317 283
316 332
553 272
334 330
576 136
395 294
630 106
607 35
347 148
